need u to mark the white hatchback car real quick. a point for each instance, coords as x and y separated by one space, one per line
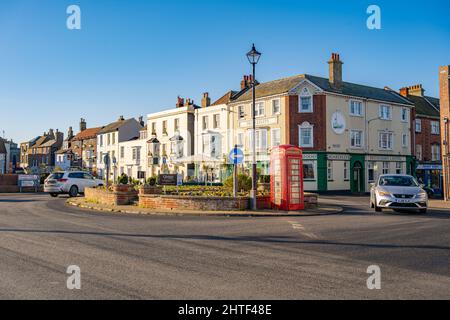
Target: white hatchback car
70 182
398 192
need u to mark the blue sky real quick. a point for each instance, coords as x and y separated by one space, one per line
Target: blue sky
134 57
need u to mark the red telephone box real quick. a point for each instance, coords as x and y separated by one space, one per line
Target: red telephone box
286 178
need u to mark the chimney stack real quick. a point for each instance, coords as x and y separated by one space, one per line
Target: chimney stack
180 102
83 125
416 90
70 133
404 91
51 133
206 101
335 71
246 82
141 121
121 118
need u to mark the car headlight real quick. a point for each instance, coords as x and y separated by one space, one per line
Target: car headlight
422 194
384 193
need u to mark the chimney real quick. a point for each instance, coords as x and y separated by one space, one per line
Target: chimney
206 101
82 125
141 121
121 118
416 90
246 82
335 71
404 91
180 102
70 133
51 133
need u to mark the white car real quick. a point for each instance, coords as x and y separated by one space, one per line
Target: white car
70 182
398 192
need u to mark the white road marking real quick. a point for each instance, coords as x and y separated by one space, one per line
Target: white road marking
298 226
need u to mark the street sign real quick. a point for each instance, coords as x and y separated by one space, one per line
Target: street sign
106 160
236 156
179 180
168 179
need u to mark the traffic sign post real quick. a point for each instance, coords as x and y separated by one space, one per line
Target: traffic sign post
235 157
107 160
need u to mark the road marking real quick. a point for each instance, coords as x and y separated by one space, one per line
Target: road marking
298 226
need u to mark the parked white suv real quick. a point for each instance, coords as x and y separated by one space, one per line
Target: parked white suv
70 182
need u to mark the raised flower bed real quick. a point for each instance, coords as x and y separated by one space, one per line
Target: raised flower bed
115 195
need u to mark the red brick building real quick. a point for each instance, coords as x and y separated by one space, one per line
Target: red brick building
426 137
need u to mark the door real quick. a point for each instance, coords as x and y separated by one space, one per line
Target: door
89 181
357 180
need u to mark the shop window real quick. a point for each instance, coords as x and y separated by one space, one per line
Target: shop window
385 168
398 168
308 171
371 172
346 171
330 170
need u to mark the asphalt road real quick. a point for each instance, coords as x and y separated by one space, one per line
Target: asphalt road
158 257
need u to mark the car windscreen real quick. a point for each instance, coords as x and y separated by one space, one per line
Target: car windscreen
398 181
56 176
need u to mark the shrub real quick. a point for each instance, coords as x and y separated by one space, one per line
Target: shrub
244 182
151 181
123 179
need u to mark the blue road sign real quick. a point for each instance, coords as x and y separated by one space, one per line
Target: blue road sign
236 156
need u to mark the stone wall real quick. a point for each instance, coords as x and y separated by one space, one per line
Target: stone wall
120 195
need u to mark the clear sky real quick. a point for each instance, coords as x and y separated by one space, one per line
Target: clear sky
134 57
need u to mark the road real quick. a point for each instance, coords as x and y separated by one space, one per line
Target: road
169 257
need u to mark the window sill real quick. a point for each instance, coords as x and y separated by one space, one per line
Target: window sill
302 111
356 115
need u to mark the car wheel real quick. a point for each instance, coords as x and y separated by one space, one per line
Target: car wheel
377 208
423 211
73 192
54 195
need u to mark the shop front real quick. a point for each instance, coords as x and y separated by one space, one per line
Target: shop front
430 175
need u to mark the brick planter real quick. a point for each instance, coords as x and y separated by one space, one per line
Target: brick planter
193 203
120 195
311 200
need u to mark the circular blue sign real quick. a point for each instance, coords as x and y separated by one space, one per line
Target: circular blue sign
236 156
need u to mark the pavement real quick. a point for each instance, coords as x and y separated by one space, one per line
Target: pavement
201 257
81 202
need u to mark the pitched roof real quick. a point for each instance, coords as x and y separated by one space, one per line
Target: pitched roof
284 85
114 126
87 134
49 143
2 147
425 107
226 98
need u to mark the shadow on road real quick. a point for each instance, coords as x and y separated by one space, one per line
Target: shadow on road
19 200
286 240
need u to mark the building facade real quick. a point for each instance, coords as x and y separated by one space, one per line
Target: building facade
171 140
213 140
41 153
133 156
84 147
350 133
108 140
444 90
3 157
426 146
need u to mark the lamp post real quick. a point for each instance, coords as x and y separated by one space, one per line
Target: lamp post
253 57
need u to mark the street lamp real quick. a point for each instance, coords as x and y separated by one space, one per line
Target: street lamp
253 57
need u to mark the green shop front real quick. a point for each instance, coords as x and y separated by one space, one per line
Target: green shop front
350 172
